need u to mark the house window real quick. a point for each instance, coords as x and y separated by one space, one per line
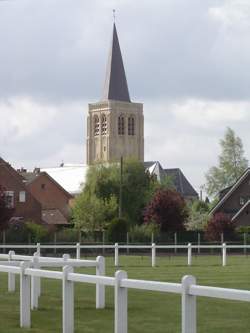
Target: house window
121 125
43 186
242 201
22 196
131 125
9 199
104 124
96 125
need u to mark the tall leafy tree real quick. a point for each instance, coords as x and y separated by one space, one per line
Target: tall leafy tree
231 165
98 203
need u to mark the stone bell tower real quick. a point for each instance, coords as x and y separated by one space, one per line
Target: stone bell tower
115 125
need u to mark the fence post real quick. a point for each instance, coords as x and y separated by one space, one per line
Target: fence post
103 242
38 254
224 254
68 301
100 288
66 256
116 254
38 249
11 276
127 242
24 296
189 254
121 304
78 251
222 238
245 243
152 238
188 306
4 241
35 283
175 242
55 241
153 255
199 242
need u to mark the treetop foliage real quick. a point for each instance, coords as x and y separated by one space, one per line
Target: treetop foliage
232 164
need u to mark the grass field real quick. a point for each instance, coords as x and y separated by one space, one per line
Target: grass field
148 311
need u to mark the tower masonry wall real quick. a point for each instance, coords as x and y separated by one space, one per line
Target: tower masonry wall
111 145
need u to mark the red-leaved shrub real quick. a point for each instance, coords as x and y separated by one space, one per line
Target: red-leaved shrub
168 210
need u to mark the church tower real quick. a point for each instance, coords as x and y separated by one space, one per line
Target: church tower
115 125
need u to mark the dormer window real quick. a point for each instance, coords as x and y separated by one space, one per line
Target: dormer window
121 125
104 124
96 125
131 125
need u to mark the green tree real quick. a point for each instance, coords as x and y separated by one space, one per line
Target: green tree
98 203
232 163
198 215
91 213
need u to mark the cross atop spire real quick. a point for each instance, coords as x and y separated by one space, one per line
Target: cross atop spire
115 87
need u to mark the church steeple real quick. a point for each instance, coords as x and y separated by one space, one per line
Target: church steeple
115 87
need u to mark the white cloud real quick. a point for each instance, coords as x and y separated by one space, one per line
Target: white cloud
22 117
234 14
207 114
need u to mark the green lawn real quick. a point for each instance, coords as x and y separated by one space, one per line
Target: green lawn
148 311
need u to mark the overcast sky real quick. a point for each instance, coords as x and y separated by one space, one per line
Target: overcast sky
188 61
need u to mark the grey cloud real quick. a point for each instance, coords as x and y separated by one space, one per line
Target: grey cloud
56 50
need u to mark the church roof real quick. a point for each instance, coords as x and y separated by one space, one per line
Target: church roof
115 87
181 183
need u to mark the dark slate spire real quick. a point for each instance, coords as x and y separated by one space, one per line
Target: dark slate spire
115 86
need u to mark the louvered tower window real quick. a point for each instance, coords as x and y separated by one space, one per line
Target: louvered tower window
131 125
121 125
104 124
96 125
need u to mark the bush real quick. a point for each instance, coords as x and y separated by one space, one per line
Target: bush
168 210
117 230
218 224
143 233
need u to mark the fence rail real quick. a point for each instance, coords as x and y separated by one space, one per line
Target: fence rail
152 248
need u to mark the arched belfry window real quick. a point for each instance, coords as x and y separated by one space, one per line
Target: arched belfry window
104 124
131 125
96 125
121 125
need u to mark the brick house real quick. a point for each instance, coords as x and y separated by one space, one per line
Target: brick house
18 196
54 199
234 201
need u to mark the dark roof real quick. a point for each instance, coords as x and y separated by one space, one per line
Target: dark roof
230 191
155 168
115 87
181 183
53 216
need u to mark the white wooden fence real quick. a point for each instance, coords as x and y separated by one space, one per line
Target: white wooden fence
37 262
187 289
151 248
